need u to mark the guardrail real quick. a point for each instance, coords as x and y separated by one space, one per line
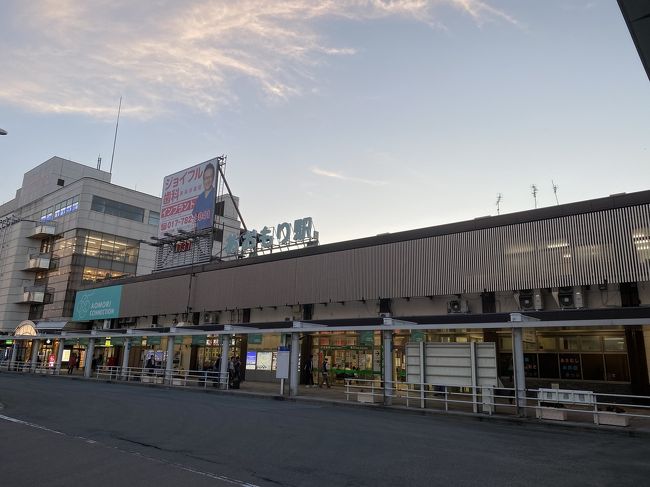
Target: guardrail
544 404
173 378
602 408
26 366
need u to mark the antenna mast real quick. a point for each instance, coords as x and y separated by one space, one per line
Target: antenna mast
555 192
221 160
533 188
499 198
117 124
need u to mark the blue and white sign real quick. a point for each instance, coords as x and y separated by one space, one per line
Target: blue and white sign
97 304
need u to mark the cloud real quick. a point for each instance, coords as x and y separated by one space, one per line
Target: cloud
75 56
339 176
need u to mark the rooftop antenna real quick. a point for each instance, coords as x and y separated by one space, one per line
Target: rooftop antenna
555 192
117 124
533 188
499 198
99 161
221 161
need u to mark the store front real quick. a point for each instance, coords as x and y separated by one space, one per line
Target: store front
594 359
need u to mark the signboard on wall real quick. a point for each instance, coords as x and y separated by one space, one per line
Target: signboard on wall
282 370
188 199
187 211
97 304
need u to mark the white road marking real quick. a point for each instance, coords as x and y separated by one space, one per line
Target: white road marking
222 478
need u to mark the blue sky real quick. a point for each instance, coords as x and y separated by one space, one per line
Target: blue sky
369 116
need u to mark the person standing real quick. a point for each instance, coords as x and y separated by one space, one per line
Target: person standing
72 363
309 371
325 370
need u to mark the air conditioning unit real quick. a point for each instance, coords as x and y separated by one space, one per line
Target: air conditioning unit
457 306
530 299
565 298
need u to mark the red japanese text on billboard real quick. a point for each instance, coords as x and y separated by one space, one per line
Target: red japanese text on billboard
188 199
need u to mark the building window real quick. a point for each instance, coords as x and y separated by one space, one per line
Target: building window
116 208
220 208
93 274
154 218
60 209
60 182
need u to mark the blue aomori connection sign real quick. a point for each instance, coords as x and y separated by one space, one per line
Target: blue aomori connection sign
97 304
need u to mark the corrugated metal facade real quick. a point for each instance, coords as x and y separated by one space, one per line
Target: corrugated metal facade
588 248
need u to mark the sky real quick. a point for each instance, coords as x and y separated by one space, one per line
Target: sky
370 116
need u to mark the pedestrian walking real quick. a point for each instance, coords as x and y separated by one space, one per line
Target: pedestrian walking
325 370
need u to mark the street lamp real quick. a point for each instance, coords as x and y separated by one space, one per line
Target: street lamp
3 132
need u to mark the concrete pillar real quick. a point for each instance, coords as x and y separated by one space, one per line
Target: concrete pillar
14 354
90 352
294 373
388 367
59 356
423 375
36 344
223 369
126 349
518 367
169 365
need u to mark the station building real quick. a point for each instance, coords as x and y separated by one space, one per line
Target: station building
580 273
68 226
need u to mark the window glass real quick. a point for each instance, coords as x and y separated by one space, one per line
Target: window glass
505 343
116 208
530 347
590 344
93 274
569 344
614 344
593 366
548 366
93 245
616 367
121 246
530 365
570 366
132 255
107 246
154 218
548 344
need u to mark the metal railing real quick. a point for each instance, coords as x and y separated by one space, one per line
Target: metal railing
601 408
543 404
26 366
174 378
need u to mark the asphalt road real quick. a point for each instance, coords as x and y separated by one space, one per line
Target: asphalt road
56 431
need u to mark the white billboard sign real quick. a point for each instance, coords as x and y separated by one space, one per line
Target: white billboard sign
188 199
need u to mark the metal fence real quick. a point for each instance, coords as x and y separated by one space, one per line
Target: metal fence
544 404
173 378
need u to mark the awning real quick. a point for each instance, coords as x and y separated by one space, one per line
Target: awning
48 326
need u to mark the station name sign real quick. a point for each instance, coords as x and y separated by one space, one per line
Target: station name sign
281 236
